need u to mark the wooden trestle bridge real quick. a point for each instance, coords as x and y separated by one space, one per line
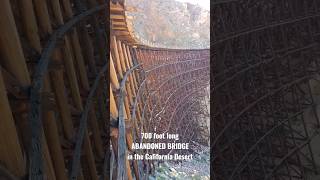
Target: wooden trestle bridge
55 91
266 90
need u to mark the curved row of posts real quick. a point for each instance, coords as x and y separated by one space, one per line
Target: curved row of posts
144 83
142 92
150 89
55 93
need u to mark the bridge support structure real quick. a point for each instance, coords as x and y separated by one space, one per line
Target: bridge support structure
265 74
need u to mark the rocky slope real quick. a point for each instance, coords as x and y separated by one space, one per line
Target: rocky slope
195 169
171 24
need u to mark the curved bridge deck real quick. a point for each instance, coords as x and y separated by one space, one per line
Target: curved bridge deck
55 91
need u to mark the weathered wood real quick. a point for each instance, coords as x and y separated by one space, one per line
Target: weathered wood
99 39
82 73
124 69
90 157
114 50
113 106
12 57
53 139
119 28
70 71
58 84
131 80
76 55
30 24
121 23
43 17
84 79
113 75
79 60
96 134
122 33
116 7
116 16
50 126
10 149
135 74
87 48
48 165
62 101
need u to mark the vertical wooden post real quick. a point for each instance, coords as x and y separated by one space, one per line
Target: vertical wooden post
113 75
30 24
115 51
131 80
135 74
10 150
70 71
85 40
11 51
53 139
49 120
13 60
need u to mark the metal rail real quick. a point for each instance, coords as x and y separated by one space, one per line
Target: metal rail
83 124
36 163
121 127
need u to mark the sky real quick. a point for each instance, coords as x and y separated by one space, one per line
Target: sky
203 3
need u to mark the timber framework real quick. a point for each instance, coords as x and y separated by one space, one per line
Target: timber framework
55 91
266 90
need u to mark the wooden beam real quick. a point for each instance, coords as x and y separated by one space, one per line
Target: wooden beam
10 150
120 23
12 57
119 28
116 16
75 93
114 50
30 24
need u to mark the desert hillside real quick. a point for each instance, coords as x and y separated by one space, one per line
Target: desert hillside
171 24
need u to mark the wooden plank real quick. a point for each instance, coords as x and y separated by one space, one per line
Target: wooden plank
113 75
56 75
119 28
84 78
114 50
96 134
132 88
119 23
50 126
114 8
12 57
10 149
135 74
113 106
30 24
53 139
116 16
75 93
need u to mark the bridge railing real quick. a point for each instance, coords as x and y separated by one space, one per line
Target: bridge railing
51 53
125 78
136 90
